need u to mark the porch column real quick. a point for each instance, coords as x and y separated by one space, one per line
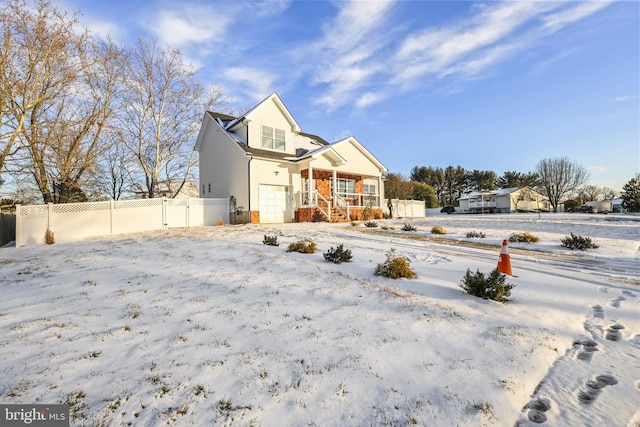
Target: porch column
335 183
380 192
312 197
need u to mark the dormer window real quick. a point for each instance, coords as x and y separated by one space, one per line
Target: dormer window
273 139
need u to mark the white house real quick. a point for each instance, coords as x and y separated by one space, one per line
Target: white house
504 200
274 172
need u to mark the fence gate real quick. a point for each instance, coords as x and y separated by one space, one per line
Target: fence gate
176 213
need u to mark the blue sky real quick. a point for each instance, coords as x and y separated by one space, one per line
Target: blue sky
484 85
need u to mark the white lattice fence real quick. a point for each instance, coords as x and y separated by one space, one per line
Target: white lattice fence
75 221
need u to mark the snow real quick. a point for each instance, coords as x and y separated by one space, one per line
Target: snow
209 326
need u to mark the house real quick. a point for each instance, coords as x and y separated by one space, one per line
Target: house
189 189
505 200
273 172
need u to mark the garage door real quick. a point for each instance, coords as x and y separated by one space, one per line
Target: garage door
275 206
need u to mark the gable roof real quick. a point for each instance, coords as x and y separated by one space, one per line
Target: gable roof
274 98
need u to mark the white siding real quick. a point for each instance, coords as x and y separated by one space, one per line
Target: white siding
269 115
223 164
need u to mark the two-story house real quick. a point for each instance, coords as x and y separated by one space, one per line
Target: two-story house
274 172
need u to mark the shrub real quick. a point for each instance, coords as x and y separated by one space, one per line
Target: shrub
220 222
395 267
438 230
473 234
408 227
523 238
338 255
49 238
355 223
270 240
304 246
578 242
371 224
492 287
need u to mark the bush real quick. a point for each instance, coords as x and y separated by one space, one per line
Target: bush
304 246
408 227
438 230
523 238
492 287
371 224
395 267
220 222
355 223
338 255
270 240
49 238
578 242
473 234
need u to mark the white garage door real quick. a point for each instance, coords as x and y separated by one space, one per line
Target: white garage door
275 204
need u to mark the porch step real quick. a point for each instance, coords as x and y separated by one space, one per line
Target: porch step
338 216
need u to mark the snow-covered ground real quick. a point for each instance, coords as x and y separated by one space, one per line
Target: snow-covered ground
209 326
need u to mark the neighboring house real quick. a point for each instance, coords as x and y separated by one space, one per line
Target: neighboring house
606 206
274 172
189 189
505 200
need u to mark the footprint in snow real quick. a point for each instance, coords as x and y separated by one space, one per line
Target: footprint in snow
615 302
537 408
589 391
598 311
588 348
603 290
629 293
613 332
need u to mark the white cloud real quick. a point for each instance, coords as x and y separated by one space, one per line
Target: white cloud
469 46
346 52
623 98
188 24
255 84
573 13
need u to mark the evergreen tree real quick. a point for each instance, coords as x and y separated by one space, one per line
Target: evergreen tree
631 194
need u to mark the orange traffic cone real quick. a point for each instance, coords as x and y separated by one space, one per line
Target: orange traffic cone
504 263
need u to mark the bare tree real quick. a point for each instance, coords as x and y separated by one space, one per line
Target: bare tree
58 101
164 107
558 177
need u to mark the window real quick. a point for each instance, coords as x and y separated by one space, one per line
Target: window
202 188
369 189
209 187
273 139
346 187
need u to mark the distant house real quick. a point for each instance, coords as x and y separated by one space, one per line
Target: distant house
274 172
189 189
606 206
505 200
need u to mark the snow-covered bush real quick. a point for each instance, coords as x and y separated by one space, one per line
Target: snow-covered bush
524 238
49 238
438 230
578 242
304 246
492 287
408 227
270 240
395 267
479 234
338 255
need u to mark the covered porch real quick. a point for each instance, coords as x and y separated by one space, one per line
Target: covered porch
330 195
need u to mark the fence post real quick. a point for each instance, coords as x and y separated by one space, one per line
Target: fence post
18 226
111 208
188 212
49 211
164 213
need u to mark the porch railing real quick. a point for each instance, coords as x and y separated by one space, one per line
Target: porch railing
353 200
317 196
342 205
